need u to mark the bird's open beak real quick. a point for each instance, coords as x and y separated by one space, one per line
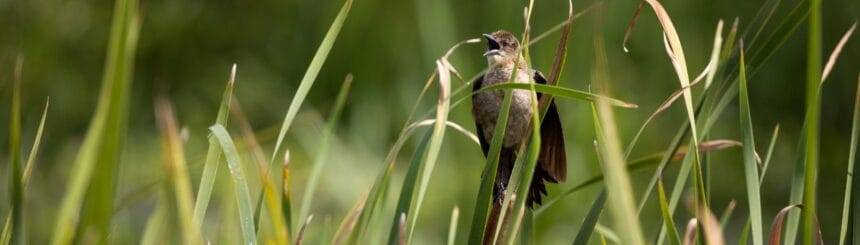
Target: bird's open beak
493 46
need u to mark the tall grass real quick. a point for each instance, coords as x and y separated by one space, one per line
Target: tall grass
176 168
750 165
213 155
621 201
88 202
812 122
16 188
87 210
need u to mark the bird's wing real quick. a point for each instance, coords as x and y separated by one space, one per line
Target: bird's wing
485 146
552 157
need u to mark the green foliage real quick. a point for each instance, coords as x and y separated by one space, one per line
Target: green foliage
88 200
750 164
99 197
242 193
213 155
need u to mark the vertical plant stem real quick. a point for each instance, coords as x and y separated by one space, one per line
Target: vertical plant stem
15 185
813 102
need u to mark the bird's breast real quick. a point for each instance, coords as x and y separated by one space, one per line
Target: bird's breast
487 105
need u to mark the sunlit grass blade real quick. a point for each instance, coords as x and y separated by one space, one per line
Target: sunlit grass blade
434 145
621 201
668 221
776 226
240 184
852 154
590 221
452 228
750 165
101 146
213 155
176 168
321 156
679 61
16 188
34 150
560 92
311 75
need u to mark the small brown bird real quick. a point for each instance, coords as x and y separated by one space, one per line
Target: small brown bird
503 57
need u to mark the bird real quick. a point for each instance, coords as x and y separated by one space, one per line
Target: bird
503 57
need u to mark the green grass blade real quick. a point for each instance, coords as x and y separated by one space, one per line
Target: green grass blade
276 229
434 145
666 157
796 193
767 157
727 214
852 154
590 221
176 167
311 75
621 201
406 192
668 221
634 165
452 228
102 143
16 189
240 183
34 150
750 165
213 155
488 176
774 42
559 92
812 121
321 157
678 60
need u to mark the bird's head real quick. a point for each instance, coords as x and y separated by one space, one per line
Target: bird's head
502 48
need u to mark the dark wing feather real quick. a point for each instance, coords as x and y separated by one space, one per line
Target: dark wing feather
552 157
485 146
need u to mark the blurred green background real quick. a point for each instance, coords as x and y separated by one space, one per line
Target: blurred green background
186 49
